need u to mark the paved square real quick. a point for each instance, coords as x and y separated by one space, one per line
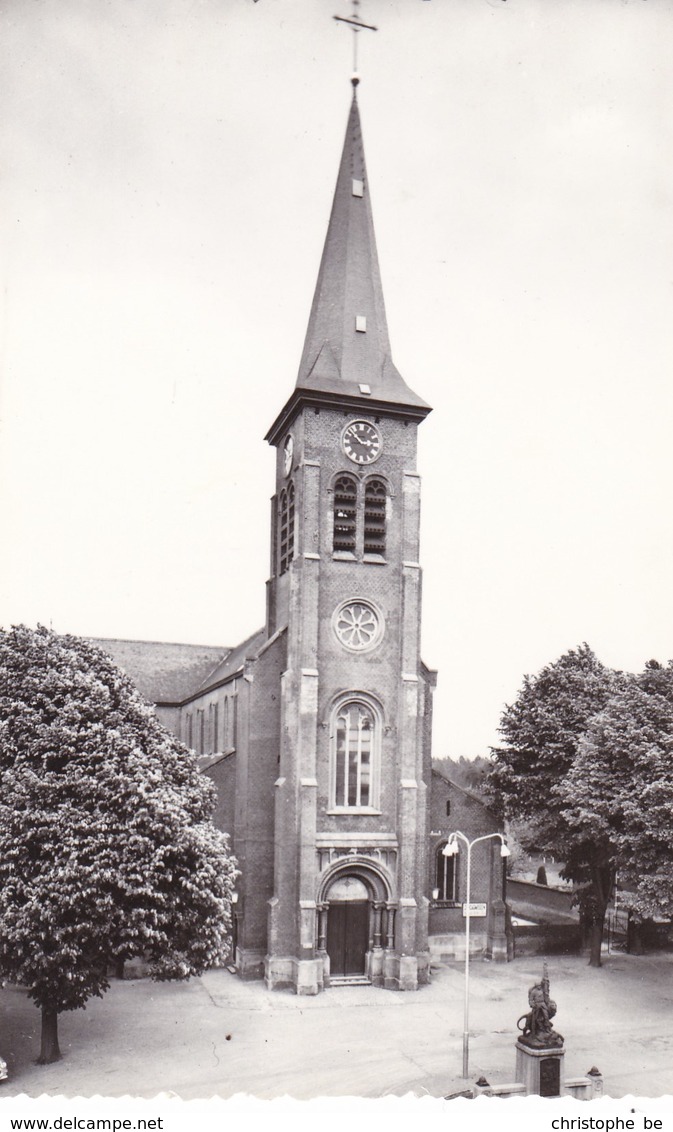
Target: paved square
219 1036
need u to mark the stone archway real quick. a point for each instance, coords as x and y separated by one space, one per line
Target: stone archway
356 923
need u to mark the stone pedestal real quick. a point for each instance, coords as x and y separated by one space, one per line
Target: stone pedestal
540 1070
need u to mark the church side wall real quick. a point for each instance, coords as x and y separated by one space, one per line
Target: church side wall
471 817
169 716
257 771
223 774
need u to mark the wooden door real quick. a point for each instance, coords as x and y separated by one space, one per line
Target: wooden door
348 937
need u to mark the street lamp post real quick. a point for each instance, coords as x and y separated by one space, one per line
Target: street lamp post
450 850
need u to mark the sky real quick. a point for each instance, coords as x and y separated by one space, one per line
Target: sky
168 173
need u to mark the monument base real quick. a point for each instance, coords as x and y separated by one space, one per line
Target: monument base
540 1070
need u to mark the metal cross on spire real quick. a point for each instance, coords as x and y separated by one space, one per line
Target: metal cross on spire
356 26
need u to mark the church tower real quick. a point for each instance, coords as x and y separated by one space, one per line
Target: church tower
350 872
316 729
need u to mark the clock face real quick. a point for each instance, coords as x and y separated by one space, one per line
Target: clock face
361 441
288 452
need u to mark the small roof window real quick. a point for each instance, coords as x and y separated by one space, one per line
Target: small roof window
361 323
365 389
358 188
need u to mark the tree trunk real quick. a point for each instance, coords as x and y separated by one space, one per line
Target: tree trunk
49 1050
596 938
634 939
603 879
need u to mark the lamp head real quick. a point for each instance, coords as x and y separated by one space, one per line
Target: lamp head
504 851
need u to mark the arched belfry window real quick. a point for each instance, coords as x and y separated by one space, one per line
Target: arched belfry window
290 522
286 529
446 875
375 517
356 737
345 509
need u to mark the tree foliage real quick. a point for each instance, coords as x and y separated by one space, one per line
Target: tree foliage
543 730
107 849
469 773
620 788
587 767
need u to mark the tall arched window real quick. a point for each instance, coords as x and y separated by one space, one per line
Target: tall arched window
345 503
355 755
226 736
215 727
286 524
446 875
375 517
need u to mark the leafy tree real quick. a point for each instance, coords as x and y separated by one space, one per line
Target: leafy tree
542 730
107 849
468 773
620 788
518 861
657 679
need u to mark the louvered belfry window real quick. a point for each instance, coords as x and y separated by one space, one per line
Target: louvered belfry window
375 517
286 541
345 497
290 523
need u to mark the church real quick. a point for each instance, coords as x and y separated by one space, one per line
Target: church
317 729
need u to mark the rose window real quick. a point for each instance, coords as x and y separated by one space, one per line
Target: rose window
357 625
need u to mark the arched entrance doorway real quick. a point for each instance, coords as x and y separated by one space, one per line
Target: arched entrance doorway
348 927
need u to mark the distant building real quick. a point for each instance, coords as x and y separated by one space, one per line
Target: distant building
317 729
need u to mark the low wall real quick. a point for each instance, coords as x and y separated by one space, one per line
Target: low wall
540 902
546 939
555 929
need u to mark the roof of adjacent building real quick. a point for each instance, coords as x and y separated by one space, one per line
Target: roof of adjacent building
164 673
233 661
439 769
338 358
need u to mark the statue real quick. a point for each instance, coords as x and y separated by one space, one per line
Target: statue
537 1028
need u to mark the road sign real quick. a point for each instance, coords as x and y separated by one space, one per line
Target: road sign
474 910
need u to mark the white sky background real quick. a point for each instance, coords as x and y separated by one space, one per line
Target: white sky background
169 169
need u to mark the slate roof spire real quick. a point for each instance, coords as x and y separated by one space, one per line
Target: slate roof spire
347 346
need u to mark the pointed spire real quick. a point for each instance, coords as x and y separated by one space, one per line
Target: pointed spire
347 341
347 349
